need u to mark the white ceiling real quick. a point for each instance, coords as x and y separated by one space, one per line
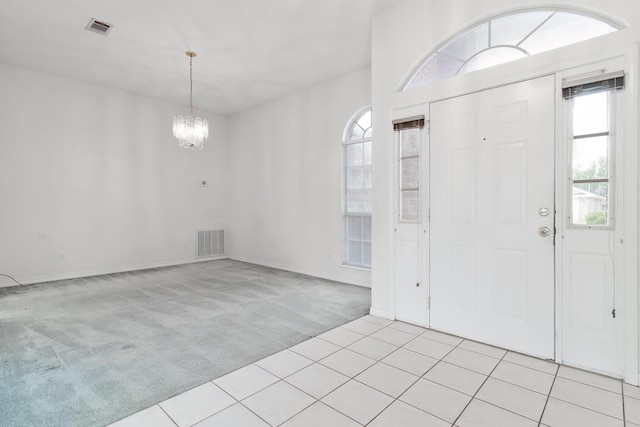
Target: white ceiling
249 51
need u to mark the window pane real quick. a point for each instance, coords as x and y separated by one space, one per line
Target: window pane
591 113
354 178
354 227
492 57
437 67
366 254
366 228
354 194
409 208
410 142
512 29
368 159
590 204
354 154
354 207
590 158
564 29
365 120
411 172
356 132
354 253
367 180
468 43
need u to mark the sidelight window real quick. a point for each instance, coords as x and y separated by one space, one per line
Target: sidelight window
591 165
409 140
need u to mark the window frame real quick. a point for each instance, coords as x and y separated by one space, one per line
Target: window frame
401 188
419 76
611 162
347 142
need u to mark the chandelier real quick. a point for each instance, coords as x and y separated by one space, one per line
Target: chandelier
191 131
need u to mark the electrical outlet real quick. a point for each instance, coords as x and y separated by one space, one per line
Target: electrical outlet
61 256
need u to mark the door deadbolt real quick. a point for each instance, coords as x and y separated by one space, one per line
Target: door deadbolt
543 212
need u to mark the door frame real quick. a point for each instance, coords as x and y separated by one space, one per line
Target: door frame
555 62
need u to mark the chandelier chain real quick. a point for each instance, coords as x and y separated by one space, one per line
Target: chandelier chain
190 85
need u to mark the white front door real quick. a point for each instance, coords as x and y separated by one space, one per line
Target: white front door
492 216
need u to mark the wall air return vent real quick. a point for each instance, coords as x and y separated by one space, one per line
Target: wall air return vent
210 243
99 27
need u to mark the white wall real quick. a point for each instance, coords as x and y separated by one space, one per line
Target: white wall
402 36
285 179
96 173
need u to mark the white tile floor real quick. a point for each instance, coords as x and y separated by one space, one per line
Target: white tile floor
380 373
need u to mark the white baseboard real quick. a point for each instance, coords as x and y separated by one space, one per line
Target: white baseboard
299 271
380 313
100 272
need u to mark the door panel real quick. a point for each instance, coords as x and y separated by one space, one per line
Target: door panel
492 169
411 292
592 336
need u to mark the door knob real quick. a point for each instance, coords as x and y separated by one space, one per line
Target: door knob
544 231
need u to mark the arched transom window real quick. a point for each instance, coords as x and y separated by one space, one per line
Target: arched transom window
506 38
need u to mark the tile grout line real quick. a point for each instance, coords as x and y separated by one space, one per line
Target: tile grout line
584 407
419 378
530 367
292 373
395 399
249 409
580 406
255 392
483 383
221 410
380 361
339 348
303 409
349 377
544 408
520 386
169 416
585 383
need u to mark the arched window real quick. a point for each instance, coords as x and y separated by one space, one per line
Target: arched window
506 38
356 204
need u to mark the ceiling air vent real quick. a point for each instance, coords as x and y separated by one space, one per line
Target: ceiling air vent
99 27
